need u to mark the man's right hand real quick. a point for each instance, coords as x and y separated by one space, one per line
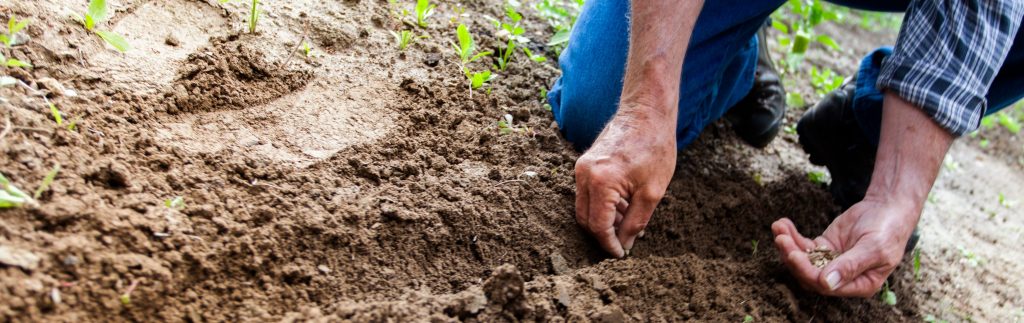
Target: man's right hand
623 176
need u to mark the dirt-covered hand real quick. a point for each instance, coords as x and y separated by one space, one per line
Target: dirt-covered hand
622 177
870 238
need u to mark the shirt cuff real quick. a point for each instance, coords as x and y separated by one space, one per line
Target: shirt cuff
934 89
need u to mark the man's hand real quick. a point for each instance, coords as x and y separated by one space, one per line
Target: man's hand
620 180
622 177
872 234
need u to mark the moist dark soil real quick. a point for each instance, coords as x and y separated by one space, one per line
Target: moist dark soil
421 209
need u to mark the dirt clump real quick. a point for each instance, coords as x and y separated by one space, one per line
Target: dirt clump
231 73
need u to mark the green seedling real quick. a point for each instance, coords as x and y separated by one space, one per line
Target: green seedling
797 22
11 62
748 319
917 264
512 29
536 58
984 143
465 49
970 258
96 14
56 115
478 79
423 11
254 14
1009 123
817 177
126 298
507 126
931 319
753 245
13 27
11 196
45 185
887 296
561 18
176 203
794 99
825 82
307 49
404 38
505 57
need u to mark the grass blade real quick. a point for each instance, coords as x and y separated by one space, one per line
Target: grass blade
45 185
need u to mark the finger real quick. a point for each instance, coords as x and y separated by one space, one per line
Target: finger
622 206
786 227
802 269
582 202
637 216
601 219
849 267
618 218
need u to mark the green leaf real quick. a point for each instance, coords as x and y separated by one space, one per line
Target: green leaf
1009 123
89 22
11 62
827 41
562 36
479 55
465 42
794 99
114 40
917 264
56 115
748 319
97 11
6 40
888 296
781 27
45 185
14 26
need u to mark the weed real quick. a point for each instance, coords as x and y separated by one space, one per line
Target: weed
423 11
97 13
753 245
917 264
45 185
817 177
176 203
888 296
11 196
13 27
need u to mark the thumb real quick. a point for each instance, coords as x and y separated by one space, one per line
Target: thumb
846 270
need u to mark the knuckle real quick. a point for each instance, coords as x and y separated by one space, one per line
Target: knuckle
650 196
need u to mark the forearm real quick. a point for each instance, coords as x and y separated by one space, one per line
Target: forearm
660 31
910 152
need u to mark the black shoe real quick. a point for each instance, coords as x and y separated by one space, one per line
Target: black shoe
829 133
758 117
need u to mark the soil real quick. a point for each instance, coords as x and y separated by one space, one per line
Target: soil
368 184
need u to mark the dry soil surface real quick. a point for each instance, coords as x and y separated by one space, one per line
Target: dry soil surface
368 184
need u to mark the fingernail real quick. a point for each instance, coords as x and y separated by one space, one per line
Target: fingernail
641 234
833 280
627 252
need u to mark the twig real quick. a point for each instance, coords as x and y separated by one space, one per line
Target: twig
509 181
291 53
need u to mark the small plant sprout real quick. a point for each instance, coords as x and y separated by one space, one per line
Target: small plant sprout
126 298
478 79
11 62
887 296
970 258
176 203
748 319
507 126
424 9
511 30
536 58
56 114
826 81
505 57
917 264
405 38
254 14
11 196
96 14
817 177
13 27
307 48
45 185
753 245
465 49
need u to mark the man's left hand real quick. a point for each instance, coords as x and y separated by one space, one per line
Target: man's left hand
870 236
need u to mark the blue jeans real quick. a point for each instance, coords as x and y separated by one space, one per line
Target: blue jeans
718 70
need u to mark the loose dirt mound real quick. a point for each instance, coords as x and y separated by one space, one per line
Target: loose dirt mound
363 184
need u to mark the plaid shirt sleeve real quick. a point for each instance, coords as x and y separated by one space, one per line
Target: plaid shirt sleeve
947 54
